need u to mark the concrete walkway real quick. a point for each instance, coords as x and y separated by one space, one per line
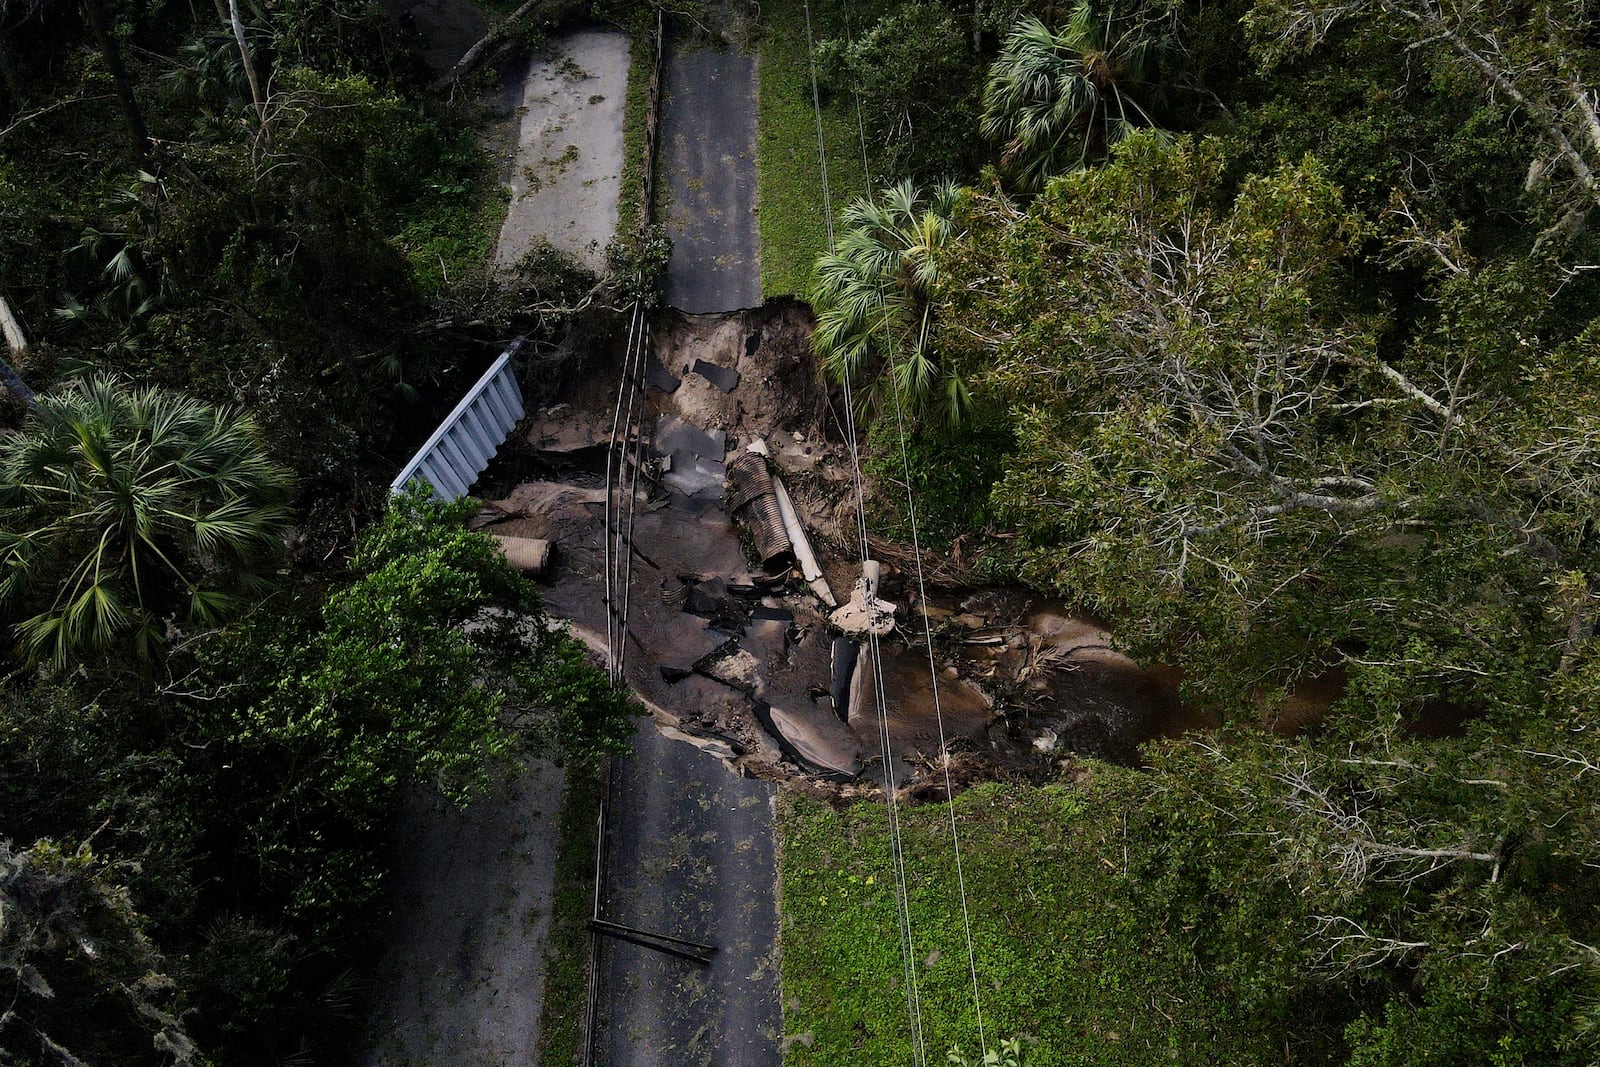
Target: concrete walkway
567 173
708 166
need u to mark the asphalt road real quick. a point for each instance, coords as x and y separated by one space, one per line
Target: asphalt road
692 857
708 166
690 844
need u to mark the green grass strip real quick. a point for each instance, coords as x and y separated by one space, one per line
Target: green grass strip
1075 949
641 53
572 902
793 227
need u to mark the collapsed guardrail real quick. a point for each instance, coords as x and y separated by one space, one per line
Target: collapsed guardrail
459 450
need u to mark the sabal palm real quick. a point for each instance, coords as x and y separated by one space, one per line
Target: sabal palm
121 507
873 291
1058 101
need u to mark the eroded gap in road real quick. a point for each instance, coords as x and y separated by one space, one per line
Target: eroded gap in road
741 656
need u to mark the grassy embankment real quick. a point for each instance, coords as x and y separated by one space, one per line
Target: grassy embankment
451 229
793 224
1061 903
641 56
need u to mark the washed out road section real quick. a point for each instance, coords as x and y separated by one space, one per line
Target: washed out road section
708 161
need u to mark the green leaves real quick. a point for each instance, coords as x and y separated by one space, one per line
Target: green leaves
873 299
1222 447
1057 101
128 508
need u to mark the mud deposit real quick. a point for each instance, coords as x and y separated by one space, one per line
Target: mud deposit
743 658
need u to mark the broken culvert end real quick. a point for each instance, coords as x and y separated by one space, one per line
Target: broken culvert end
752 499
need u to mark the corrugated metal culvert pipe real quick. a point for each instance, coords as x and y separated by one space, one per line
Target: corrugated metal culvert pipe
751 498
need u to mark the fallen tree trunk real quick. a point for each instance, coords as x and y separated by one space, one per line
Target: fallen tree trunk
17 343
472 58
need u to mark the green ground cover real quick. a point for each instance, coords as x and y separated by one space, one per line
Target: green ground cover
793 223
641 58
1063 893
572 902
449 232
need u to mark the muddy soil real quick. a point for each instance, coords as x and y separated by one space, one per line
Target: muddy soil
744 658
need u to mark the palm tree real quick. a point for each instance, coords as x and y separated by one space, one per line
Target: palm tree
1058 101
122 508
873 296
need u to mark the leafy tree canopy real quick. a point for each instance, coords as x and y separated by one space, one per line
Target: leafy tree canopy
1057 100
1216 451
875 314
124 508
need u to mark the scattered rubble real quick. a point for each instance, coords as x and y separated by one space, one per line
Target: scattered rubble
691 458
865 614
658 377
756 655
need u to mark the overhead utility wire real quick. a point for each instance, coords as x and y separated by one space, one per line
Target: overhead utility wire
938 715
618 578
897 848
927 629
640 360
615 462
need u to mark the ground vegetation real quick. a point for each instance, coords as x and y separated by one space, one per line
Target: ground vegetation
1290 378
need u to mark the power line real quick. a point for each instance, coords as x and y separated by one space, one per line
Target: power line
896 841
938 715
922 600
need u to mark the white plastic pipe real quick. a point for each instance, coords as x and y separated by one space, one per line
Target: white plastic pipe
802 544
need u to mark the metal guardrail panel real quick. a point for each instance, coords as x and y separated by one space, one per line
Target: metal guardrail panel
470 435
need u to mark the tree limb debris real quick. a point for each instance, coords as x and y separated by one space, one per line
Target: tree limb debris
549 11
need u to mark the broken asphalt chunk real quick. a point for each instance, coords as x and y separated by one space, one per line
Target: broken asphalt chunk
657 375
724 378
733 667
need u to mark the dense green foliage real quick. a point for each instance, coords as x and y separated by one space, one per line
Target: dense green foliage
240 276
1299 384
123 506
314 259
908 72
873 295
1429 902
246 799
1058 101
